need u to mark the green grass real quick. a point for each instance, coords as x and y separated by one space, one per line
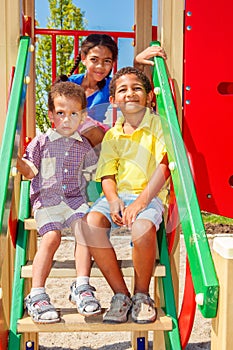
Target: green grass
215 219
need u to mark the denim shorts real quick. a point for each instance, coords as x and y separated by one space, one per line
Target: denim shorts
153 212
58 217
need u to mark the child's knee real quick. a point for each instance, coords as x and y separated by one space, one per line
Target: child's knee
142 229
52 239
97 220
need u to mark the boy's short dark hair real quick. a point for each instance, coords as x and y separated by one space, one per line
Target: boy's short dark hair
130 70
67 89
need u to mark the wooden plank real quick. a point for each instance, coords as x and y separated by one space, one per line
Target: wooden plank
66 269
71 321
30 224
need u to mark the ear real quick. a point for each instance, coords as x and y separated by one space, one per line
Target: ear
83 58
112 101
83 116
50 115
150 97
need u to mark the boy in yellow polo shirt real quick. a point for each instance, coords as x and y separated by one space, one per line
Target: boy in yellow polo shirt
132 168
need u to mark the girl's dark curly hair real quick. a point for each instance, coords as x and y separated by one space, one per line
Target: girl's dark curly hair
91 41
130 70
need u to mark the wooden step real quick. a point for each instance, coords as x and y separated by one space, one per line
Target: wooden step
71 321
66 269
30 224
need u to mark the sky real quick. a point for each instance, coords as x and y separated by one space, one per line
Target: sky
104 15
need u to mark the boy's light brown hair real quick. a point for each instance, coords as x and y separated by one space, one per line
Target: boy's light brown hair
67 89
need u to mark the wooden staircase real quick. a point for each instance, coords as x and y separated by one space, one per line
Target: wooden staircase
24 332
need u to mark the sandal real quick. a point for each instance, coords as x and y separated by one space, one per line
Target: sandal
119 309
37 307
85 300
143 309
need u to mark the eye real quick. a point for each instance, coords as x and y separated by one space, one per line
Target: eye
138 88
108 61
75 115
60 114
93 59
121 91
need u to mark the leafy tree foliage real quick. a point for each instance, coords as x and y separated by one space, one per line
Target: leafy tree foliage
63 15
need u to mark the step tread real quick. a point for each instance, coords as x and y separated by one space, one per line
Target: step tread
71 321
66 268
30 224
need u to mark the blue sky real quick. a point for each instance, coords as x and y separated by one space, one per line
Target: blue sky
104 15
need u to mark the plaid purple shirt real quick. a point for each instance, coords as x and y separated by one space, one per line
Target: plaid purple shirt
58 163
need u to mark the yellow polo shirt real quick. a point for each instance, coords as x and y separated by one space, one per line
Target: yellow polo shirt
132 158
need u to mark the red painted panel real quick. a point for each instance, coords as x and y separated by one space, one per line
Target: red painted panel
3 329
208 101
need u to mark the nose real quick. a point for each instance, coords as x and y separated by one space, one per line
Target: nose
100 63
130 92
67 118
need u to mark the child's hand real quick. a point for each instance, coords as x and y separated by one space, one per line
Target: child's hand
116 209
144 57
130 213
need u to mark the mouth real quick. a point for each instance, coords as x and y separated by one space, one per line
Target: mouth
100 74
132 102
66 128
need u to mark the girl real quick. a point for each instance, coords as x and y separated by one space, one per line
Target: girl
98 54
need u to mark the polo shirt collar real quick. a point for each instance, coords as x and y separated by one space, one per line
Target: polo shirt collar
53 135
145 123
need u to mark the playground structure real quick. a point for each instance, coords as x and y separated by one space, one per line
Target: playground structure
200 100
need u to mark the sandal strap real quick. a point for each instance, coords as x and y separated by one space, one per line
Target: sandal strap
86 301
84 288
39 297
43 304
141 298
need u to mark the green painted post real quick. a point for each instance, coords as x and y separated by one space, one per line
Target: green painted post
11 135
201 263
172 338
20 260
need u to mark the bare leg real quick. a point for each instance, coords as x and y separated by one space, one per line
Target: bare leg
94 228
82 293
43 259
82 260
82 253
37 302
144 239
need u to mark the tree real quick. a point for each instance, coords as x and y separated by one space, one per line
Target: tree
63 15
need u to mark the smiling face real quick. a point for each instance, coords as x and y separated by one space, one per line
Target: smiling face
66 114
130 94
98 62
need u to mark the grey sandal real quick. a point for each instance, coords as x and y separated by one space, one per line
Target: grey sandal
39 305
119 309
85 300
143 309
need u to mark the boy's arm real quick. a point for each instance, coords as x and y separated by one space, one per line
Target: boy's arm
155 184
116 205
24 168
